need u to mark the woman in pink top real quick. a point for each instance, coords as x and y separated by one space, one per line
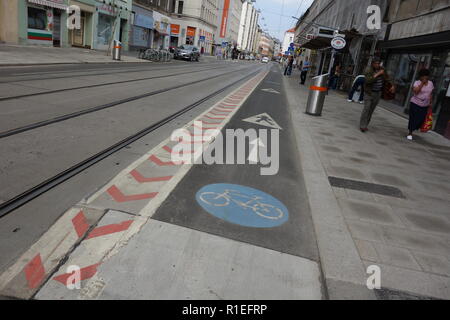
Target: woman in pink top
420 102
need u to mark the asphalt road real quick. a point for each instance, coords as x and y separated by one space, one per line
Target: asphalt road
30 95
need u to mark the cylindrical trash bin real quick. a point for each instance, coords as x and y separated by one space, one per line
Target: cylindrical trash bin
117 48
317 93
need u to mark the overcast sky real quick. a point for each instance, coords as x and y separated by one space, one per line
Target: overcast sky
276 15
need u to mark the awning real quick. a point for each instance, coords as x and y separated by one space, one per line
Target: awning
58 4
430 40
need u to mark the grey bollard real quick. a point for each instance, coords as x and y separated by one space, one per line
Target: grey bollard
117 48
317 92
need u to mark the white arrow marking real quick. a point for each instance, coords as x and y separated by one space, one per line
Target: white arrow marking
253 157
270 90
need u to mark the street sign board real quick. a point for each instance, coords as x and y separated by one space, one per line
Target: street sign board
338 43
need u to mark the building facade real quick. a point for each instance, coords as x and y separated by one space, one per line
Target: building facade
151 24
43 22
414 34
248 28
266 45
289 36
229 22
195 22
418 37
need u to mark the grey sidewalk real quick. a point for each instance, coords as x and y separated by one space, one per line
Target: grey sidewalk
13 55
408 238
21 55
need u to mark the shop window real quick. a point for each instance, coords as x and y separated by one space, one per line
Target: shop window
37 18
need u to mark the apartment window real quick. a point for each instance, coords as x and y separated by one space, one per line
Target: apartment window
180 7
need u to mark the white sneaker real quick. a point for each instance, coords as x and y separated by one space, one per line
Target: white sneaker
410 138
349 100
361 102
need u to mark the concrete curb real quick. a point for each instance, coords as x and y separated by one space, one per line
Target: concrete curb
342 267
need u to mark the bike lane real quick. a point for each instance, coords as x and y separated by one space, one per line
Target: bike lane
237 202
253 239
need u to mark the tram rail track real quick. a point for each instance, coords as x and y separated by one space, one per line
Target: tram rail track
76 114
138 69
100 85
34 192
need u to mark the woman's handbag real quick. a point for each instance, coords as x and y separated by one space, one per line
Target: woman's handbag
428 124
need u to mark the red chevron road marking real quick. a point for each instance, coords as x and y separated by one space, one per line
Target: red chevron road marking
80 224
118 196
170 150
141 179
218 113
85 273
109 229
210 123
161 163
215 118
34 272
205 129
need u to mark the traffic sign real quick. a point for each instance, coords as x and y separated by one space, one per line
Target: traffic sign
338 43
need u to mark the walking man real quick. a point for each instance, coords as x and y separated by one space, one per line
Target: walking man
305 68
376 79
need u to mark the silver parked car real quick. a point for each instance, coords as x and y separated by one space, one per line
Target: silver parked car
187 52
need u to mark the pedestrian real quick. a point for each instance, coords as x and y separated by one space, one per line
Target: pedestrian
420 102
335 76
288 69
358 85
376 78
305 68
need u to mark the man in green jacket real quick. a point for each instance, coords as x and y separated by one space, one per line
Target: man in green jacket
376 79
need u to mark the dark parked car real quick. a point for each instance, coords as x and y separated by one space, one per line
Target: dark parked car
187 52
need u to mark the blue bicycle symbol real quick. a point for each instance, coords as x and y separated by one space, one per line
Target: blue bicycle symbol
242 205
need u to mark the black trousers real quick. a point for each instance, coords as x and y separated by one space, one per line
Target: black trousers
303 77
417 116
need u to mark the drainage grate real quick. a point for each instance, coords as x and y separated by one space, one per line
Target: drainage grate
366 187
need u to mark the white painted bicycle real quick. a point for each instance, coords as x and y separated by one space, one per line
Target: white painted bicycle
263 210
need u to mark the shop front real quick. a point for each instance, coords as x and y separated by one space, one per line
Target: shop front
405 59
205 42
174 35
141 29
83 37
190 35
44 22
161 32
112 24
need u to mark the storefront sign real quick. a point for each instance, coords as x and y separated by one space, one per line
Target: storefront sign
223 25
59 4
202 38
143 21
107 9
190 32
174 29
162 23
338 43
